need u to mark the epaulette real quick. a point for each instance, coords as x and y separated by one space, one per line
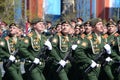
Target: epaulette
30 34
83 36
105 36
116 34
59 34
89 37
7 38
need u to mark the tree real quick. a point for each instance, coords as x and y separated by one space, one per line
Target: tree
7 10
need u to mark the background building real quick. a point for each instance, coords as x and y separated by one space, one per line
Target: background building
104 9
53 9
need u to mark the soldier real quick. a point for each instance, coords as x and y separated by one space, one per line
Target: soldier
82 28
61 44
113 37
58 28
30 47
8 46
88 28
4 29
87 51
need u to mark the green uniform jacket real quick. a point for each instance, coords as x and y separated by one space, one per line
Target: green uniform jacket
30 47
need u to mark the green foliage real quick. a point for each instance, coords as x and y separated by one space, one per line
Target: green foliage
7 10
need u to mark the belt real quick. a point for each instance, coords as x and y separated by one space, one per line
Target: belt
6 60
17 60
29 61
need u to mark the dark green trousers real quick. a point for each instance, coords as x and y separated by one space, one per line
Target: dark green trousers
13 72
35 74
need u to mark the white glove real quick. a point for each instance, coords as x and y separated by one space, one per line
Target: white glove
48 44
45 30
94 64
108 48
12 58
36 61
62 63
108 59
74 47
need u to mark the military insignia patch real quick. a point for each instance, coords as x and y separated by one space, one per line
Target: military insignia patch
54 40
26 41
84 44
2 43
116 34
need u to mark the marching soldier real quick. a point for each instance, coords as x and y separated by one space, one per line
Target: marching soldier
113 38
9 46
61 44
30 47
88 49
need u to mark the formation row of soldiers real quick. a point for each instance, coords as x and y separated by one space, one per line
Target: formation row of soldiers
90 51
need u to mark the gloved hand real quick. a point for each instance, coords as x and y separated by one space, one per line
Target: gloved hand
36 61
48 44
45 30
62 63
94 64
108 59
12 58
74 46
107 48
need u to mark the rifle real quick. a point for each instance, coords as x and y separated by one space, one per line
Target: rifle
98 57
89 68
41 54
65 58
10 62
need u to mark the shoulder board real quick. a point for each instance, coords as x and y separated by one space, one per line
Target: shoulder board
59 34
89 37
105 36
30 34
7 38
116 34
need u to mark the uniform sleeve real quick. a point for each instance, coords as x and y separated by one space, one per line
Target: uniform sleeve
24 45
3 52
81 57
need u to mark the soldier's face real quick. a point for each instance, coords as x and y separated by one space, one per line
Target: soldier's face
65 28
88 29
77 30
112 29
13 30
99 27
82 29
59 28
105 29
39 26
